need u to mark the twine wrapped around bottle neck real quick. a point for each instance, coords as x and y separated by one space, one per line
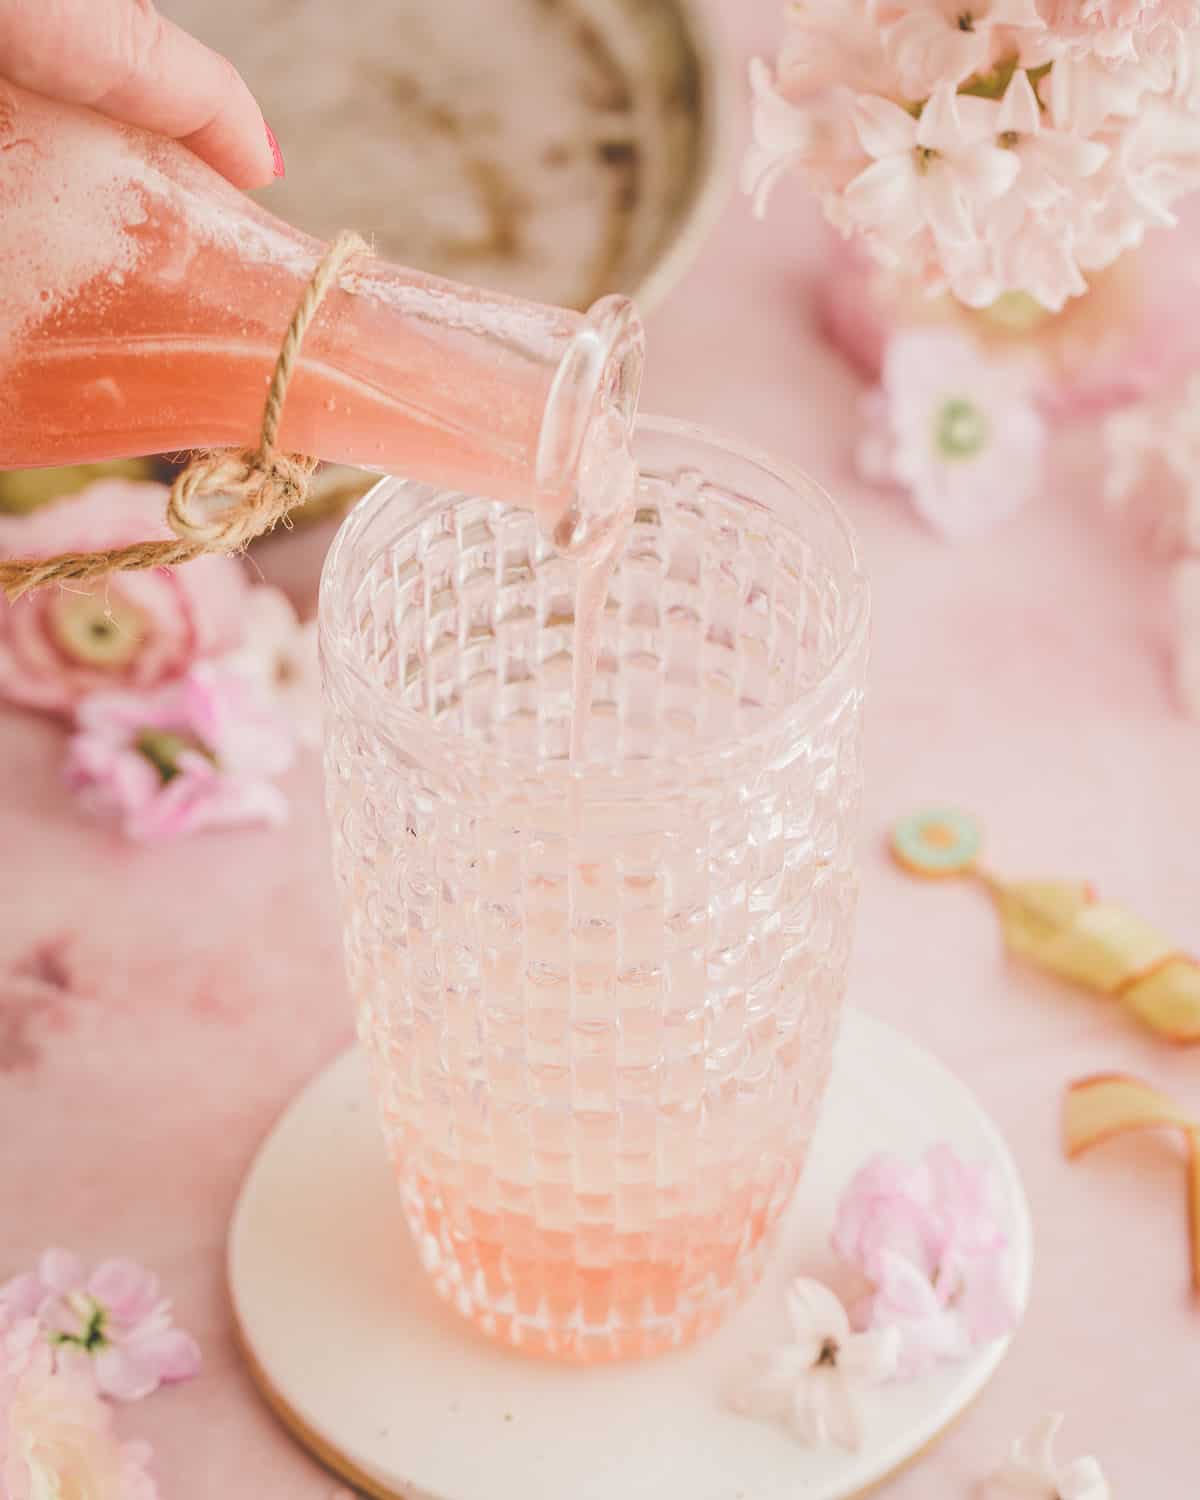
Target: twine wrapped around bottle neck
262 484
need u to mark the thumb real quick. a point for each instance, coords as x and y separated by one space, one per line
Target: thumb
123 59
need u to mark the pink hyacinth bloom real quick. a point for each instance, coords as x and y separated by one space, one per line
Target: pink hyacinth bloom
1053 162
811 1382
947 41
1012 146
814 136
933 172
199 753
832 44
56 1434
961 431
132 631
117 1317
1119 30
1032 1472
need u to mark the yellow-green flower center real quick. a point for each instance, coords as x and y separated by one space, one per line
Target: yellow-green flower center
960 429
91 1317
1016 312
163 748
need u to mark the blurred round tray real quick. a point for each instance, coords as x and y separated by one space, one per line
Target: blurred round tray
553 149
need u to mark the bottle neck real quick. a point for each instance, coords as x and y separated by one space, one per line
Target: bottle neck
584 454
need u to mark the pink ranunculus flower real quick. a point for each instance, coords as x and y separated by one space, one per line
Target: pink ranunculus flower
957 428
928 1238
131 630
118 1318
56 1433
201 752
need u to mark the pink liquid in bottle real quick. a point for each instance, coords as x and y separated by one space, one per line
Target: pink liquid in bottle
143 303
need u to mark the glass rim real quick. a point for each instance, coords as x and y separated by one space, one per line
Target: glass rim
402 721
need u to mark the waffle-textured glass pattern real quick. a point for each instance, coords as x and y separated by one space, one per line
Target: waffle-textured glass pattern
599 997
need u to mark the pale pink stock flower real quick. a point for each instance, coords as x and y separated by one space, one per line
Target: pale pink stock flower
20 1299
132 630
937 1325
928 1239
958 430
199 753
279 653
888 1208
1033 1473
118 1318
936 171
810 1382
56 1433
964 1202
904 1298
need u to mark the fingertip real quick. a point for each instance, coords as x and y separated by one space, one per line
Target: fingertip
276 153
239 147
234 138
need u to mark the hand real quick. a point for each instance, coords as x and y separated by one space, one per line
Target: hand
121 58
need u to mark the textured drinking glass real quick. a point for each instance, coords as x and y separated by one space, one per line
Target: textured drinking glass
599 997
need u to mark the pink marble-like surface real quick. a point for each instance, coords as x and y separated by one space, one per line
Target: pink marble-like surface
157 1009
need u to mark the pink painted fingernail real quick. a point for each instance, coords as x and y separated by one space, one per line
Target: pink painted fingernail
276 153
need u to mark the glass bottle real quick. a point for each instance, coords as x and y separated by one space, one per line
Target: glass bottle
143 300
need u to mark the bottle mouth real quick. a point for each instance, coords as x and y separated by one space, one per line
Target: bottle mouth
584 466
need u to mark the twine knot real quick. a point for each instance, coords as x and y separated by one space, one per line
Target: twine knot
260 485
265 486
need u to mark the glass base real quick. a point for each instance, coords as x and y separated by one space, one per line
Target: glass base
369 1371
567 1311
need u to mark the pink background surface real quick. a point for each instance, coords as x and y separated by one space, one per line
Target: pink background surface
158 1009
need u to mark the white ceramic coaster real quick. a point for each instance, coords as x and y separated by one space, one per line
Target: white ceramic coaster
390 1388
